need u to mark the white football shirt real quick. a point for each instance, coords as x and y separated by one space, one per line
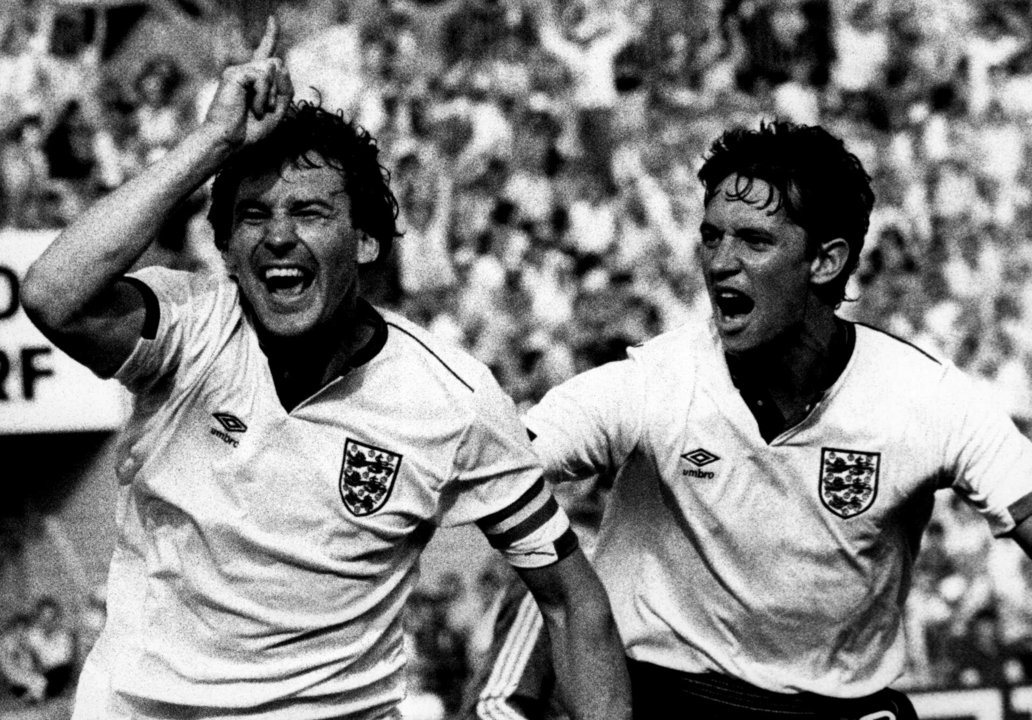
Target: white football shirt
264 556
784 564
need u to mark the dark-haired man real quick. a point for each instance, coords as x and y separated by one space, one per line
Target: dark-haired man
776 464
291 448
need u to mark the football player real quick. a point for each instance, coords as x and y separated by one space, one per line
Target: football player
291 448
776 465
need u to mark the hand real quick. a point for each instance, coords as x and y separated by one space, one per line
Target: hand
252 98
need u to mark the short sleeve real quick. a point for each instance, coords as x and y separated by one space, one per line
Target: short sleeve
498 485
990 461
181 307
591 423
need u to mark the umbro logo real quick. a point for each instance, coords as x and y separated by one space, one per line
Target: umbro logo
230 424
700 458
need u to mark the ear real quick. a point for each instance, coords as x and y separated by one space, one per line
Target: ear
829 262
368 249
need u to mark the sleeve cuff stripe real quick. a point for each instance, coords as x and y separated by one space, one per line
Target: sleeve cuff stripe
1020 509
152 311
487 523
524 528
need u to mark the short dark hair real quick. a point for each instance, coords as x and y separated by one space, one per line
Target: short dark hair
821 185
311 136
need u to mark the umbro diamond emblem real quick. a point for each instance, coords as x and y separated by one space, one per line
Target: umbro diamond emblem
699 457
230 424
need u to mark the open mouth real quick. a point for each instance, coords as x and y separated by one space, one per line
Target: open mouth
732 304
286 281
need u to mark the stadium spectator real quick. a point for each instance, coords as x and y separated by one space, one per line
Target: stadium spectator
587 39
18 666
53 645
162 115
24 175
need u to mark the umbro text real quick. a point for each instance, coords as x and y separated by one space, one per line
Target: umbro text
224 437
692 472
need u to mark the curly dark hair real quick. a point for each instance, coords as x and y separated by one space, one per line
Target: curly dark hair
310 136
822 186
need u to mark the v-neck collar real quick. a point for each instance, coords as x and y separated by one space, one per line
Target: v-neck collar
770 422
365 313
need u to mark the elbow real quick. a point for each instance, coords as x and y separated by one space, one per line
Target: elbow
32 296
41 301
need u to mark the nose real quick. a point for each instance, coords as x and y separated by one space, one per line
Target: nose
722 257
280 233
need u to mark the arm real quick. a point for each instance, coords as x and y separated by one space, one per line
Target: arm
590 424
590 668
72 292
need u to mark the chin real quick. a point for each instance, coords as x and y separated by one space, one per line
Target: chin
744 343
283 328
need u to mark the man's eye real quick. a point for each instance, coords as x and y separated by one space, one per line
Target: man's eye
756 241
710 238
251 216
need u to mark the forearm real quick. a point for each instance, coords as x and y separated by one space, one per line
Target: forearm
104 242
591 670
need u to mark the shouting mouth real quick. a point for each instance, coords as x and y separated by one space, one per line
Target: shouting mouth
732 307
286 282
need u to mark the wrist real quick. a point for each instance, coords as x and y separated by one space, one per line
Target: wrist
215 142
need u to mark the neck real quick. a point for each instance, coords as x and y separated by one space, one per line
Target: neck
801 364
782 383
302 365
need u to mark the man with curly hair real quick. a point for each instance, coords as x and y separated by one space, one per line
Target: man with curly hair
776 464
291 448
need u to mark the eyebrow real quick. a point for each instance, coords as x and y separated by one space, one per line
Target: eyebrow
747 231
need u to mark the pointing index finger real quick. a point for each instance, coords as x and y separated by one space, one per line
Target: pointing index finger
267 46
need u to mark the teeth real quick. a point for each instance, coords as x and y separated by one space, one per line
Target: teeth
733 302
283 273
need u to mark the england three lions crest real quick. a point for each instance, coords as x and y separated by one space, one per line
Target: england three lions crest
367 477
849 480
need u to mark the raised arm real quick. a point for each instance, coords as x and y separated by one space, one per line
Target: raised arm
72 292
590 668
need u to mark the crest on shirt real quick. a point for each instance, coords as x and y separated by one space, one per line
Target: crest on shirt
849 480
367 476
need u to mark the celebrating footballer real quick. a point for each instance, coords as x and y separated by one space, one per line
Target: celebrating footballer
291 448
775 464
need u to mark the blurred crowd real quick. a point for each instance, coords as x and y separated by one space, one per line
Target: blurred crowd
544 156
39 653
